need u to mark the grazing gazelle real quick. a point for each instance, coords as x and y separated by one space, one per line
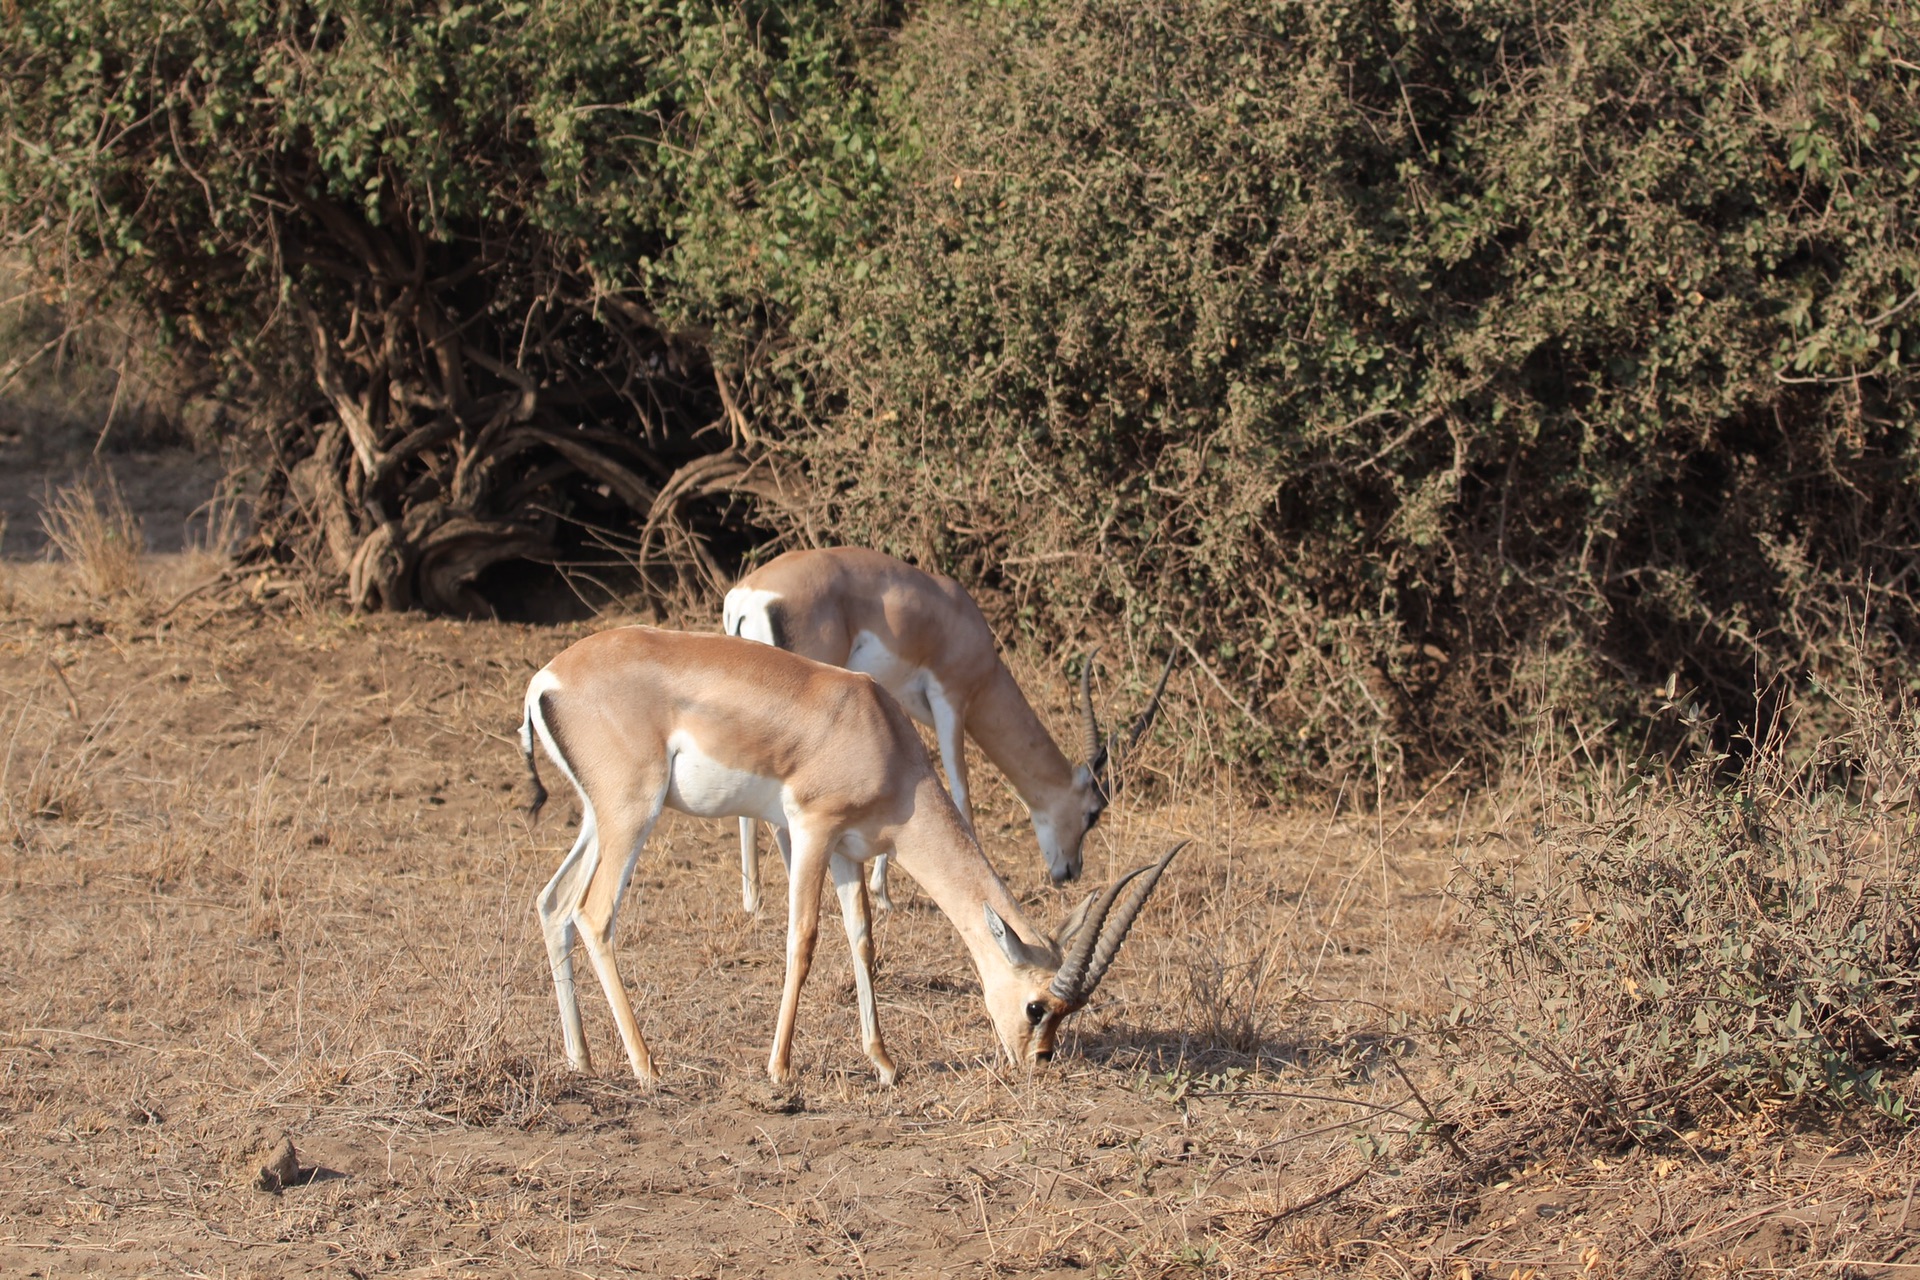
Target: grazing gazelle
923 638
640 720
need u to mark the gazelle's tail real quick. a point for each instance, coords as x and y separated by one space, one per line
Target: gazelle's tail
535 706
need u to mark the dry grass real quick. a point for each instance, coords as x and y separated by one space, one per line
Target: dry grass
90 527
290 893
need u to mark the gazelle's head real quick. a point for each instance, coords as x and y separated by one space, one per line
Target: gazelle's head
1042 984
1062 824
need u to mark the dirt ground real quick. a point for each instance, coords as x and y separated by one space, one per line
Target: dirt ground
268 874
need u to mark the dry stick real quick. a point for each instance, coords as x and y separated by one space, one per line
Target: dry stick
1424 797
980 1203
119 385
73 703
1247 1157
1267 1224
1444 1130
1743 1220
1301 1096
21 364
87 1035
228 574
1202 664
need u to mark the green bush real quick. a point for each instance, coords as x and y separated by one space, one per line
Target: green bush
1409 362
1748 935
467 261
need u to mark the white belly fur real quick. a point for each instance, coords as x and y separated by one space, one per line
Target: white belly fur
912 687
702 786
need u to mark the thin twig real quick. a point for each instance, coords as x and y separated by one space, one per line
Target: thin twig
1440 1127
88 1035
1267 1224
73 702
228 574
1201 662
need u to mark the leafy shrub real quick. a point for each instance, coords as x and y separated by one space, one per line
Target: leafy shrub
1749 934
466 262
1395 357
1409 365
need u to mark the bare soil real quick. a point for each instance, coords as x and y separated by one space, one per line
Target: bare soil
267 875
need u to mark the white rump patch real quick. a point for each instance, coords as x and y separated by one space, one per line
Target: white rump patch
535 725
745 613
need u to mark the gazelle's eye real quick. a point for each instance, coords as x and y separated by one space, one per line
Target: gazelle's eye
1036 1012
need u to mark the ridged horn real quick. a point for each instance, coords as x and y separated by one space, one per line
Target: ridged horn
1113 752
1145 719
1098 941
1074 966
1096 749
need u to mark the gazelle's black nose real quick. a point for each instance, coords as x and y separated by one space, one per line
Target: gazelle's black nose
1045 1055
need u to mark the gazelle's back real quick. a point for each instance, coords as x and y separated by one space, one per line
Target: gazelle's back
641 693
821 603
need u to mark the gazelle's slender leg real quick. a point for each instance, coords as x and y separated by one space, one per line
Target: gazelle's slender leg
598 908
949 726
856 916
806 875
750 860
554 905
750 864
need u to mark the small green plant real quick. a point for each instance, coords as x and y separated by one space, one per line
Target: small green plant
1182 1083
1737 930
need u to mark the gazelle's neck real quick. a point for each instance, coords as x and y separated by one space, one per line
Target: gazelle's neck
1004 724
933 848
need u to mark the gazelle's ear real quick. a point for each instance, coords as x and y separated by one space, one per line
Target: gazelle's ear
1011 944
1076 920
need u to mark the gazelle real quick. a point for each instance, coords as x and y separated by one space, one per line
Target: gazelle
640 720
923 638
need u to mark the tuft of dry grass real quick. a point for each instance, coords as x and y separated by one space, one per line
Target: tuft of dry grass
90 526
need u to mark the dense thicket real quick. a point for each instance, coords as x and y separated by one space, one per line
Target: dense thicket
1410 362
430 242
1407 364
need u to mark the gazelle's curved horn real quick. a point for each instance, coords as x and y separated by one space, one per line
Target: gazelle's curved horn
1073 967
1113 751
1144 720
1114 931
1098 941
1096 749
